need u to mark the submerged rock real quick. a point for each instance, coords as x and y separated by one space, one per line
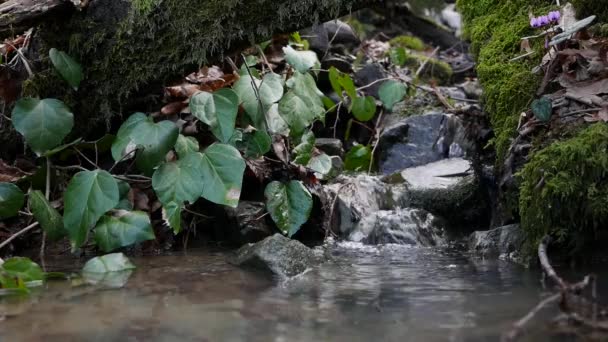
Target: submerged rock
246 222
402 226
447 188
419 140
506 241
277 254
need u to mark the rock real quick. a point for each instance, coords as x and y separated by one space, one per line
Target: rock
245 224
317 39
322 37
332 147
506 241
360 196
277 254
447 188
452 19
420 140
368 74
337 165
401 226
472 89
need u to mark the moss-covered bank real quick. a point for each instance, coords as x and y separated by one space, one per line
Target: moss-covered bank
564 187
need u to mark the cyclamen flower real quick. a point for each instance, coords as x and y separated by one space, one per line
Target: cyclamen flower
534 23
554 16
544 20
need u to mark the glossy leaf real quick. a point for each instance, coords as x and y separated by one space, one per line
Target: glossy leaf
256 144
296 113
270 91
123 195
303 152
321 164
363 108
125 229
276 123
157 139
89 195
222 170
11 200
172 216
305 86
115 262
43 123
358 158
120 146
334 80
302 61
68 68
218 110
542 108
180 181
289 205
391 92
347 83
18 270
49 218
185 145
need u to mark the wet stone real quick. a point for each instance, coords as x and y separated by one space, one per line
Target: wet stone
505 241
332 147
247 223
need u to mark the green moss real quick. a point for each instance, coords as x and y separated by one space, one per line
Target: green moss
434 70
408 42
564 189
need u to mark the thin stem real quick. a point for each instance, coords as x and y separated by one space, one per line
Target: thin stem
19 233
196 214
122 159
423 65
86 158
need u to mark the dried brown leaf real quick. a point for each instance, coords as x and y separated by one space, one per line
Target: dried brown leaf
173 108
11 174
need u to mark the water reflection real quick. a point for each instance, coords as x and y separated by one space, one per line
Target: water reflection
389 293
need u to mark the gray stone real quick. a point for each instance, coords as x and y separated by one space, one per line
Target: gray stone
472 89
246 222
369 74
332 147
447 188
419 140
277 254
506 242
322 37
401 226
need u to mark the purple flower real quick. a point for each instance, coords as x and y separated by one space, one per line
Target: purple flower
534 22
544 20
554 16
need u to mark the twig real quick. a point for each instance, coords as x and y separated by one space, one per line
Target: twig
86 158
378 81
519 325
378 130
255 87
47 195
423 65
589 110
337 118
17 234
522 56
546 265
122 159
196 214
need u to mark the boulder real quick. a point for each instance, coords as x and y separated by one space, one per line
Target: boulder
246 222
447 188
506 241
419 140
278 255
415 227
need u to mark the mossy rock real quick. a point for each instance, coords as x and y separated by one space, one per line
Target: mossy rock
434 70
408 42
564 190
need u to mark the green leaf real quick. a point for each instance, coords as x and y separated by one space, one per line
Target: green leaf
328 103
89 195
391 92
18 270
120 146
222 169
157 139
218 110
289 205
60 148
115 262
305 87
257 144
398 56
363 108
276 123
123 195
321 164
270 91
172 215
43 123
542 108
302 61
303 152
296 113
358 158
11 200
180 181
125 229
69 69
49 218
347 83
334 80
185 145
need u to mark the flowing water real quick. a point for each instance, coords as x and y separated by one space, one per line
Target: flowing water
363 293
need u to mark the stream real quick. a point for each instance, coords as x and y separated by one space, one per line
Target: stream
362 293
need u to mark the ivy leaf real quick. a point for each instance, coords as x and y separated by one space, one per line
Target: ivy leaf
218 110
391 92
305 87
276 123
334 80
222 170
123 195
270 91
321 164
296 113
156 139
125 229
115 262
358 158
43 123
89 195
303 151
363 108
180 181
172 216
11 200
289 205
123 137
302 61
69 69
542 108
18 270
257 144
49 218
185 145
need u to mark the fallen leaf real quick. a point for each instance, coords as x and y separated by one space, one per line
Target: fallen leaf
173 108
183 90
11 174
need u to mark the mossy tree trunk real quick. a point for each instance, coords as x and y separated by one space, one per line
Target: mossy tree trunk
129 48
